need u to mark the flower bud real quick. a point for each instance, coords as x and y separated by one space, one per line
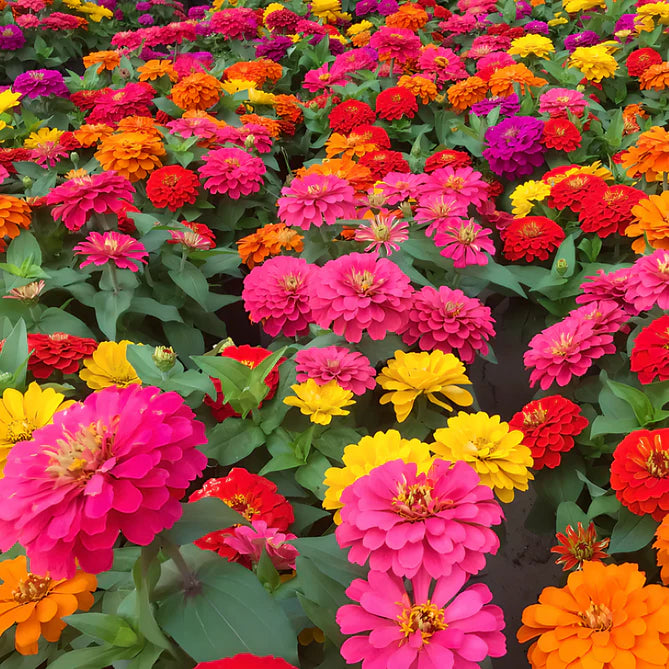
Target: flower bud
164 358
27 181
561 266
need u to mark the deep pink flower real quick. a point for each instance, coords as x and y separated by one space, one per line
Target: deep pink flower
350 369
605 315
648 282
448 320
428 630
114 247
557 102
359 293
399 186
276 294
76 199
565 349
249 543
466 243
442 211
324 77
314 199
611 287
118 462
232 171
385 231
441 64
392 43
464 183
405 521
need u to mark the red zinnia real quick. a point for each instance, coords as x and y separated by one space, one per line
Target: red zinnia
561 134
251 356
445 158
348 115
573 190
549 426
640 472
254 496
609 210
640 60
246 661
382 162
57 351
172 186
532 237
650 355
396 102
578 546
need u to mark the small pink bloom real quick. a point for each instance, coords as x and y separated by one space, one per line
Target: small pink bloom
399 186
324 78
385 231
233 172
351 370
114 247
611 286
648 282
466 243
464 183
249 543
605 315
441 211
556 102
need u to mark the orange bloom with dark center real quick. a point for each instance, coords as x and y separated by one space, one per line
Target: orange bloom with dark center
410 16
38 603
133 155
576 546
604 618
655 78
270 240
14 214
197 91
649 156
109 60
421 87
88 135
463 94
640 472
662 546
501 81
652 223
155 69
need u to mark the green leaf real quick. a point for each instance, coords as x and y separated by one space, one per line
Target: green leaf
593 489
325 552
561 484
641 405
498 275
151 307
95 657
232 440
55 319
112 629
14 354
232 614
192 282
108 308
570 513
311 475
606 505
24 247
631 532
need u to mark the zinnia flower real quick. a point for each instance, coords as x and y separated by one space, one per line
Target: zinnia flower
14 215
249 543
395 103
133 155
40 83
662 546
532 238
348 115
38 604
276 294
371 452
576 546
611 209
486 443
351 370
648 282
113 247
514 146
649 155
435 627
531 45
651 224
409 375
384 231
465 243
640 472
57 351
610 287
650 354
318 402
118 462
448 320
108 366
252 495
549 426
197 91
247 661
172 187
561 134
233 172
604 611
595 62
405 521
269 240
559 102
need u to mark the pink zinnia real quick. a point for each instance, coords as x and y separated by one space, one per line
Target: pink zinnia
448 320
463 183
276 294
441 64
118 462
442 628
323 78
441 211
314 199
249 543
392 43
385 231
233 172
565 349
605 315
466 243
556 102
194 127
122 250
648 283
611 286
406 522
351 370
359 293
76 199
399 186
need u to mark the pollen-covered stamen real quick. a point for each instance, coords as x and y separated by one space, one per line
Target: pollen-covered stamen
415 501
19 430
597 617
534 418
240 504
365 283
31 589
425 618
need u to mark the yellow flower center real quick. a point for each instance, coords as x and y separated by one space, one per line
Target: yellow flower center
467 234
381 232
598 617
19 430
425 618
456 183
32 589
534 418
415 502
241 505
291 282
110 245
364 282
441 61
170 180
563 346
657 464
531 230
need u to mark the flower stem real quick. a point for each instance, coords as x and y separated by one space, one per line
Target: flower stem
191 583
114 278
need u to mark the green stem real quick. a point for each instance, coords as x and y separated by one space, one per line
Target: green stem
114 278
183 259
665 184
191 583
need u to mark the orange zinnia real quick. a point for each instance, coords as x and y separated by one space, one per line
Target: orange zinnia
144 124
652 220
421 87
267 241
37 603
604 617
134 155
410 16
463 94
352 146
154 69
14 214
656 77
90 134
197 91
630 114
359 176
109 60
501 81
649 156
288 108
662 545
272 125
258 71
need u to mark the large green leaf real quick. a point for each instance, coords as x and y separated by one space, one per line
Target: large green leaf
108 308
112 629
570 513
232 440
631 532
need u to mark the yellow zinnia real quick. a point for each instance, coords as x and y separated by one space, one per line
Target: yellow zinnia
370 452
109 367
409 375
595 62
22 413
531 45
526 194
8 99
572 6
42 136
486 443
96 12
320 403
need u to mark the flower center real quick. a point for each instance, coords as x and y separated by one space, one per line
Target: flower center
59 336
467 234
241 505
657 464
598 617
531 230
110 245
170 180
32 589
562 346
415 502
364 283
19 430
455 183
291 282
76 457
425 618
534 418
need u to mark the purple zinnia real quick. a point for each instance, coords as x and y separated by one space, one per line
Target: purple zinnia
143 6
274 49
35 83
11 38
145 20
625 25
586 38
387 7
537 28
523 9
365 7
514 146
508 106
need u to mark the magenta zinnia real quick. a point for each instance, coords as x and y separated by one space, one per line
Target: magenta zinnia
404 521
233 172
466 243
116 463
351 370
115 247
359 292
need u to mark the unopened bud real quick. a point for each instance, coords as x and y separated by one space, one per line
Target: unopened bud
74 157
405 208
164 358
222 345
249 142
27 181
124 73
561 266
376 200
